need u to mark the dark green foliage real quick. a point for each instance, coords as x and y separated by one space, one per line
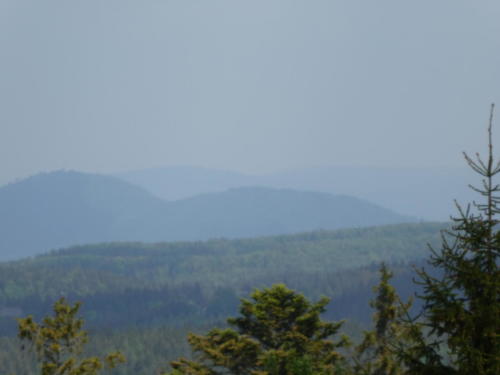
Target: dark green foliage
58 341
462 304
377 354
279 332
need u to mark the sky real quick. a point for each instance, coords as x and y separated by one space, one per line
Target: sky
252 86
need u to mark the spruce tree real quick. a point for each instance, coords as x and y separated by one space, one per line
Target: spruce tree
461 301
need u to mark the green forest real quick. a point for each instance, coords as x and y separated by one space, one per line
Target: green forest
171 282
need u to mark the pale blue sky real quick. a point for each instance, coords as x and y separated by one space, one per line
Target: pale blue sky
253 86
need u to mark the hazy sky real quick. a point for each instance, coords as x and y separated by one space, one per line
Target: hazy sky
253 86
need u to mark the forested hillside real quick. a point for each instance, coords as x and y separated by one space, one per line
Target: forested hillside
61 209
135 283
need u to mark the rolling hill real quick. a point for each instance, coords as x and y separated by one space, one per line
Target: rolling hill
427 193
58 209
190 274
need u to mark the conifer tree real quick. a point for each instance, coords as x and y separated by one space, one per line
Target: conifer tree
462 303
59 340
279 332
376 355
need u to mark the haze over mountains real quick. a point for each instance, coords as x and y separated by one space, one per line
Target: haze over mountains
59 209
426 193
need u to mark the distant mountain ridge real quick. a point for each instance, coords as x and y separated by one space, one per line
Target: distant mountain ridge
426 193
175 183
257 211
59 209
